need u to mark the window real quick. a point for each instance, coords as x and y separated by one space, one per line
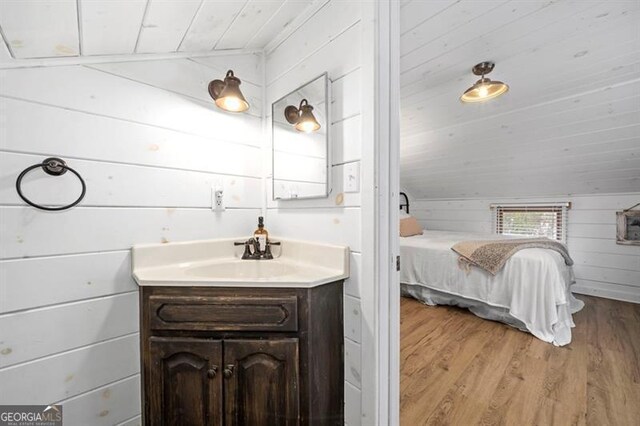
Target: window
532 220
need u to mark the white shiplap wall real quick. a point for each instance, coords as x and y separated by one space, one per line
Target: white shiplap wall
150 145
602 267
329 41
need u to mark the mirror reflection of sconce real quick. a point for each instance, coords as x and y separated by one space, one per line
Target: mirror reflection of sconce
300 159
227 93
302 117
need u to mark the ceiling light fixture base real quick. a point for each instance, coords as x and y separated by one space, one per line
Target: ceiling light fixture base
483 68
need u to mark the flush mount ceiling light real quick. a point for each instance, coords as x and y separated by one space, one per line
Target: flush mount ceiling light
227 93
484 89
302 117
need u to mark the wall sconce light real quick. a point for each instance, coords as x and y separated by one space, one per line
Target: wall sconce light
484 89
227 93
302 117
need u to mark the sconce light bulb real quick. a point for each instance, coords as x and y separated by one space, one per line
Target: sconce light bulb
230 103
307 126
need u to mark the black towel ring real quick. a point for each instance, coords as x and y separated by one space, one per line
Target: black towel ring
55 167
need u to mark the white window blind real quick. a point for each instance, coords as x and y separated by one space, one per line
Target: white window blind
532 220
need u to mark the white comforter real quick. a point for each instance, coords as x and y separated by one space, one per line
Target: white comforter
533 286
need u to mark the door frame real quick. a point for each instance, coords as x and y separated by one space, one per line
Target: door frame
381 207
389 186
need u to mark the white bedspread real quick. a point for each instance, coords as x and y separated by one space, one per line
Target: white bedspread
533 286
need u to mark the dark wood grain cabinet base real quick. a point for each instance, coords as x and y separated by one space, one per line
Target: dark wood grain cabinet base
242 356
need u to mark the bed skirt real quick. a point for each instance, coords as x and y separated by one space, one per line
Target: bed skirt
562 329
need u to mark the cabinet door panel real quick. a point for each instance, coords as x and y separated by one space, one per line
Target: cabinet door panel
261 382
185 383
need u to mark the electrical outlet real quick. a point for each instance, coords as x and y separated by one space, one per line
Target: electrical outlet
217 199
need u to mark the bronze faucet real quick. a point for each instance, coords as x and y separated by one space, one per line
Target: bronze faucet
256 253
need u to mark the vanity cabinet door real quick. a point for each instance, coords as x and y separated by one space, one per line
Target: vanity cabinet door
185 382
261 382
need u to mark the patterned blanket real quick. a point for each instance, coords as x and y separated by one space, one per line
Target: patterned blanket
493 254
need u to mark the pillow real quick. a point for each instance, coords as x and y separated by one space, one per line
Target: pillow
409 227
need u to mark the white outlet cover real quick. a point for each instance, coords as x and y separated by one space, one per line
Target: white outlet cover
217 200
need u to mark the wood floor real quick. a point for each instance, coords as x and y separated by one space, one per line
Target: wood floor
458 369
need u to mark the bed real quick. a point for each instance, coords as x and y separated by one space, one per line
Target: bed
532 291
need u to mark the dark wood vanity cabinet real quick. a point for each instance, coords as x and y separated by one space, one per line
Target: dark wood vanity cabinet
184 385
242 356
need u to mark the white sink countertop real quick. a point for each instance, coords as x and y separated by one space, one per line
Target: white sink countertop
218 263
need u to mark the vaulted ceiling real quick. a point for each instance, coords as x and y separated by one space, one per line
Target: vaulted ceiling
55 28
570 123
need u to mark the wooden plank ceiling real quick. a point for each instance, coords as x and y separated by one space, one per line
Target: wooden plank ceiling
55 28
570 122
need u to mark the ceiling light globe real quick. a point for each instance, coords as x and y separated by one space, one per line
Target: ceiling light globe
484 89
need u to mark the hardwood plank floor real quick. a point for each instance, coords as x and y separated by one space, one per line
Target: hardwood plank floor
458 369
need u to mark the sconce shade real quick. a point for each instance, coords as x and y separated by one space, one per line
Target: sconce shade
302 117
227 93
484 89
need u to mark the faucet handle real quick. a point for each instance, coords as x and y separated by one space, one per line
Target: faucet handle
267 250
247 248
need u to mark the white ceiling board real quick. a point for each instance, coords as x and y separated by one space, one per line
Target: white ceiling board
525 138
569 124
601 105
599 66
445 110
165 24
622 169
471 43
511 41
502 138
441 108
543 186
44 28
289 10
211 22
447 21
254 15
555 159
110 27
414 13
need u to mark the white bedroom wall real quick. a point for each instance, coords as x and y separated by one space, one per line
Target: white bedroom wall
330 41
150 144
602 267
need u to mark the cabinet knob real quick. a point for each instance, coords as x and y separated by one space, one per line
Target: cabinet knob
228 371
212 372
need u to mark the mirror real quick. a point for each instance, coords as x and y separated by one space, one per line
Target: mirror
300 136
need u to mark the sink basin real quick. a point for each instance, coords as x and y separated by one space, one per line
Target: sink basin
242 269
217 263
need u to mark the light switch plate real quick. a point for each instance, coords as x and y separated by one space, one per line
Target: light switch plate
351 177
